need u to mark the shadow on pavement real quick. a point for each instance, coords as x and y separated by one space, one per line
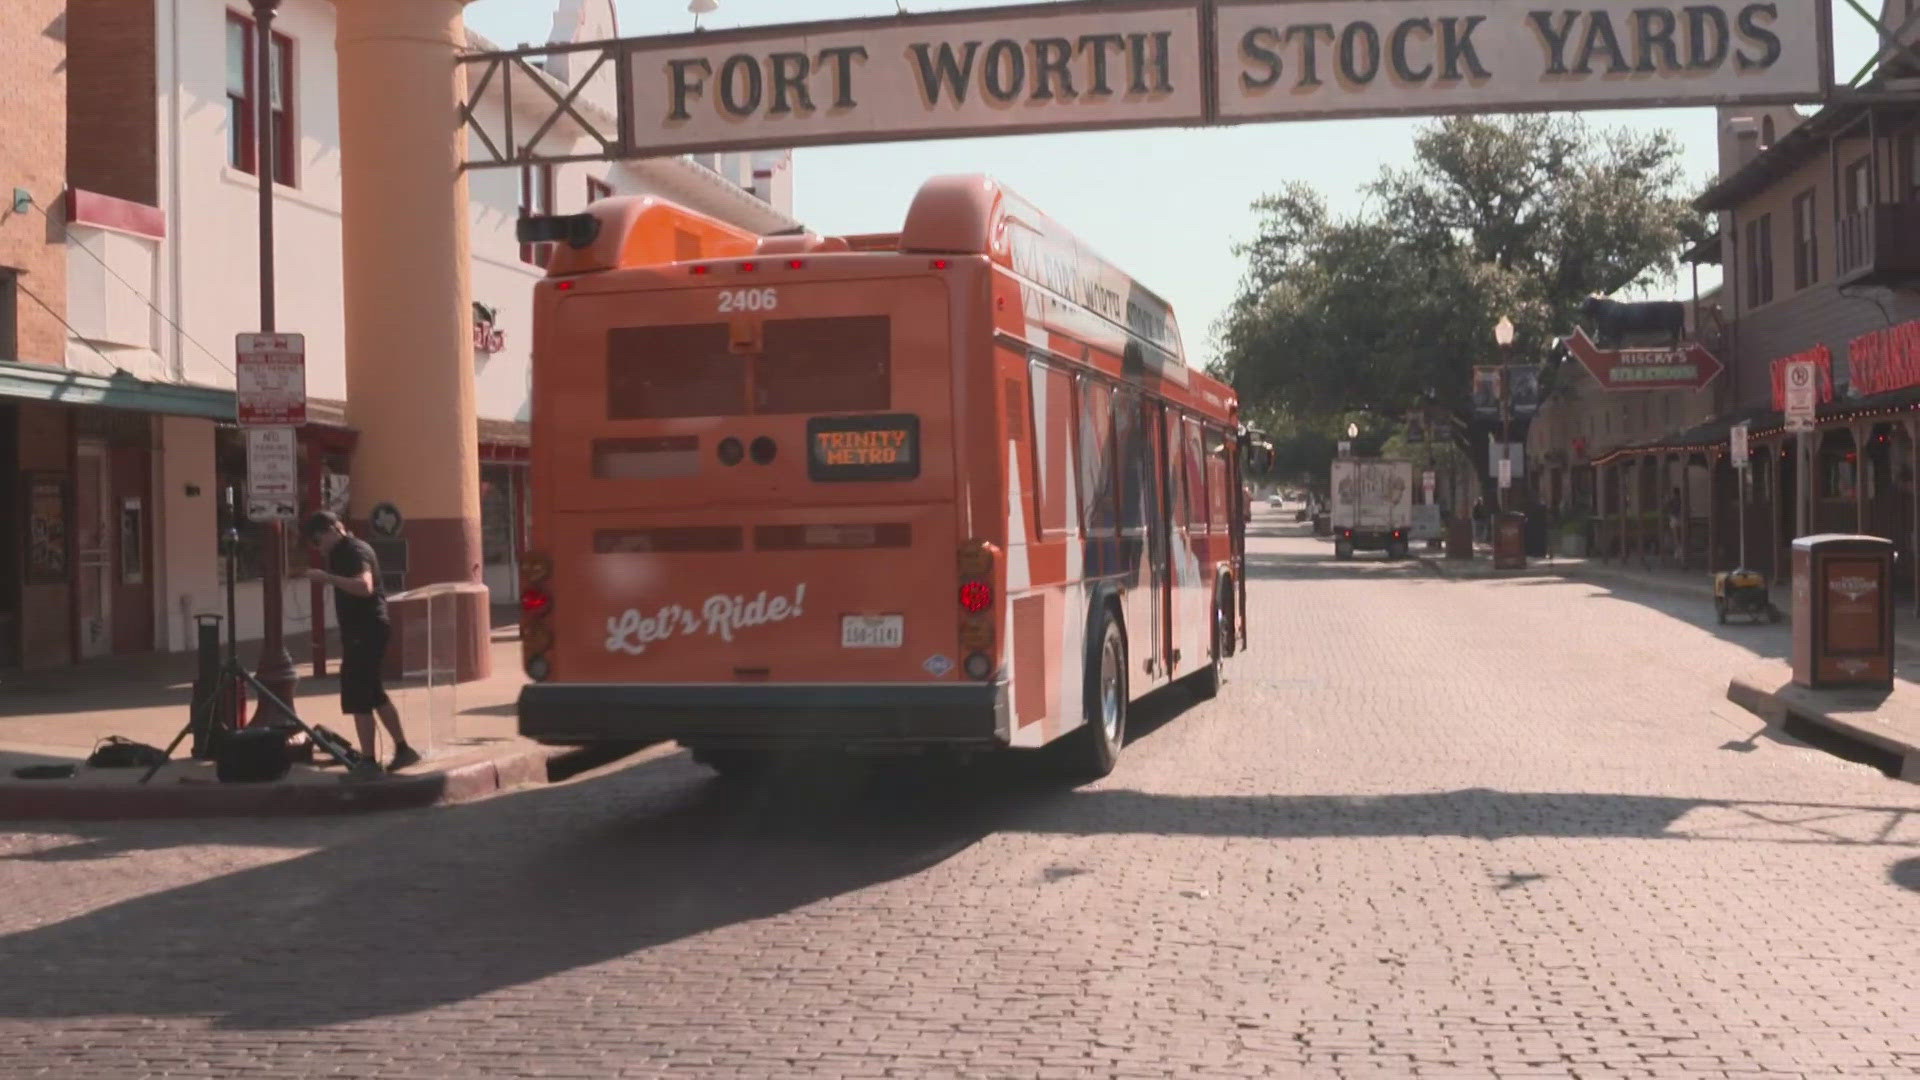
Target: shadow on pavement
445 906
1906 874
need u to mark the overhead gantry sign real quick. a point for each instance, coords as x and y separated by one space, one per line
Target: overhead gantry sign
1155 63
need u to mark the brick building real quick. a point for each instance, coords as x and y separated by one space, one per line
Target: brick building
1819 240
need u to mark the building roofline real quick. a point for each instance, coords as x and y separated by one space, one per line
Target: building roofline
1799 145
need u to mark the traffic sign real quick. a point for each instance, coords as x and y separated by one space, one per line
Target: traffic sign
1346 448
273 473
1739 446
386 521
1687 367
1428 481
1506 473
270 380
1802 381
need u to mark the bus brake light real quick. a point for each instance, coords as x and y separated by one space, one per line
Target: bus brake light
939 264
699 270
976 596
796 264
749 267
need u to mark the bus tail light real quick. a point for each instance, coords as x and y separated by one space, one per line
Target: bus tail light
976 634
749 267
796 264
699 270
536 609
978 665
939 264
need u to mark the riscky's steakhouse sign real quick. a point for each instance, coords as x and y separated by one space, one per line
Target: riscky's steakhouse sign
993 71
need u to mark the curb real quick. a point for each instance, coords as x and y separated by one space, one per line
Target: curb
42 800
1898 754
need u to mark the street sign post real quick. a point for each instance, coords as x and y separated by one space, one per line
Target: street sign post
1802 400
1802 396
1738 448
273 476
270 380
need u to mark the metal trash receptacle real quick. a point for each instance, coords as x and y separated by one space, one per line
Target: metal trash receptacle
1843 612
1510 540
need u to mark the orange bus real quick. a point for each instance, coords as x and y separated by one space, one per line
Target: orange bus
955 486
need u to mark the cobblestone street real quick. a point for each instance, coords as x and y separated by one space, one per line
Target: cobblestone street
1430 828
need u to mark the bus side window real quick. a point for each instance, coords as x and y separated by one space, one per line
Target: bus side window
1098 506
1196 476
1136 456
1050 392
1217 478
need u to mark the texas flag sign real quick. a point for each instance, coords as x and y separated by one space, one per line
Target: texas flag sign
1688 366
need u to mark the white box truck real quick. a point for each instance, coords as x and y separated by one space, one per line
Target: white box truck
1372 506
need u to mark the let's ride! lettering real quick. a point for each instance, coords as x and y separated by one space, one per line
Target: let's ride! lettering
721 615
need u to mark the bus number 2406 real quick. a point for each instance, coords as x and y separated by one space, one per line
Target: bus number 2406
749 299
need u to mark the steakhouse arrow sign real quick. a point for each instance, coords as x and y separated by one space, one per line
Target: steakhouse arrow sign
1686 367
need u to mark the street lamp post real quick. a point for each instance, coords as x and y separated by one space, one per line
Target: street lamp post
275 669
1503 336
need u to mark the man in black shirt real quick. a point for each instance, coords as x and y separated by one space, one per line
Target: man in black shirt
360 603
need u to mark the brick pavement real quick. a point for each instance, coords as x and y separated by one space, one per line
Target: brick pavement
1430 828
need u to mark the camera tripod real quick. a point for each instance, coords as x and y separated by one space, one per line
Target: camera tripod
218 700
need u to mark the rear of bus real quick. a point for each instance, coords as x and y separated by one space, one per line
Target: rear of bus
748 525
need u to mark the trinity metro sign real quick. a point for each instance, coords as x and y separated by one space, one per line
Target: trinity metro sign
1686 367
1145 63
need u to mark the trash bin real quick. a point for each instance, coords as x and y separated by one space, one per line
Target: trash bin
1843 612
1460 539
1510 540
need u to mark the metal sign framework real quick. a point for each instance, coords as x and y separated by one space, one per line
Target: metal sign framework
520 72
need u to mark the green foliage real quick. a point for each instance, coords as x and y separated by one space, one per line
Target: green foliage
1521 216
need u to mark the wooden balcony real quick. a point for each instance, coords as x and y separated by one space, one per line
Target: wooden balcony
1880 246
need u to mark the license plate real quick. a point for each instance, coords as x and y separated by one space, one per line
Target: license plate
873 631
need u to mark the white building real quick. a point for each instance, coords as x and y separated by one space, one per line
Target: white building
164 274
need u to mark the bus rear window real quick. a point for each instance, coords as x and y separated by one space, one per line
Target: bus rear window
825 365
656 372
840 364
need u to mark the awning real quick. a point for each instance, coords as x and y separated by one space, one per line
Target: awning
61 386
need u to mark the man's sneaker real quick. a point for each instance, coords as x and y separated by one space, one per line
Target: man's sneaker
402 758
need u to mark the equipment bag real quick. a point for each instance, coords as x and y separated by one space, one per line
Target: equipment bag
118 752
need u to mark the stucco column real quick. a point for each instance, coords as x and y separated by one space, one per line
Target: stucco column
408 299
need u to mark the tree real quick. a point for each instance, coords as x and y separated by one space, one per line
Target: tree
1390 309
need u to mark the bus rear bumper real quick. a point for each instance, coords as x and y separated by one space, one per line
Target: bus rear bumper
886 714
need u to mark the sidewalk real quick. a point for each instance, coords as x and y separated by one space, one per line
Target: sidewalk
1877 728
467 735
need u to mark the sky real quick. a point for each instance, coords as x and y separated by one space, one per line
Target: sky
1164 205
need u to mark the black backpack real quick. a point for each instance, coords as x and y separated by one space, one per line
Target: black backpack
119 752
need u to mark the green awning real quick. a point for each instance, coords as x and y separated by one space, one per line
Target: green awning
60 386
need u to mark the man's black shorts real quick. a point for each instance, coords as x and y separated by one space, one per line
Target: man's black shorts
363 654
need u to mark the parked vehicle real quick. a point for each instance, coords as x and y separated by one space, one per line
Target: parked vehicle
1372 506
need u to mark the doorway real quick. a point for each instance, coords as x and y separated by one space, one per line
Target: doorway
94 524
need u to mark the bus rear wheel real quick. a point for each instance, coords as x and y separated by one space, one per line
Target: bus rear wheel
1205 683
1091 750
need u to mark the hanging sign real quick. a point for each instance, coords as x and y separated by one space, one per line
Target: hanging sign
1093 64
1689 366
